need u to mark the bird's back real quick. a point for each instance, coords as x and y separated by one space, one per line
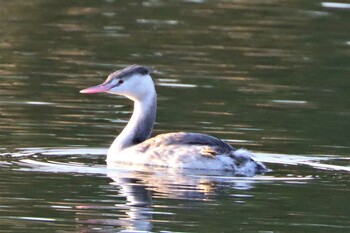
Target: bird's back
187 150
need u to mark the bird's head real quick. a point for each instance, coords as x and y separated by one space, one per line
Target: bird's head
134 82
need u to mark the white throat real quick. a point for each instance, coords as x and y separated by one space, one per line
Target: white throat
140 125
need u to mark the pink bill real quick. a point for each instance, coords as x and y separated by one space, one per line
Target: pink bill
96 89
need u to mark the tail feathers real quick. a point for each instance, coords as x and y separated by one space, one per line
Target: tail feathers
244 161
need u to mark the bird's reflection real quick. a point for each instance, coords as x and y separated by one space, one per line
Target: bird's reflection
135 197
138 204
140 187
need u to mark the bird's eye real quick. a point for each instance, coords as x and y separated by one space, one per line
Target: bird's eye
121 81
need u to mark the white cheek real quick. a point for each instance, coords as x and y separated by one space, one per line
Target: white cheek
121 89
134 88
124 89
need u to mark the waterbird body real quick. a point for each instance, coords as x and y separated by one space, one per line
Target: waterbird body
178 150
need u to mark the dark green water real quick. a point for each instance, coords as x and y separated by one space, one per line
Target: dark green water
269 76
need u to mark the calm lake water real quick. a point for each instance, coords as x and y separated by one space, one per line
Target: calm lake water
269 76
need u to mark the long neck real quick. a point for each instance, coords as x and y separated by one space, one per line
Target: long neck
140 125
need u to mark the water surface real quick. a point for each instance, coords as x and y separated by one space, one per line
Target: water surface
269 76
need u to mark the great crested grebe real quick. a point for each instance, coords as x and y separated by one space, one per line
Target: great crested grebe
178 150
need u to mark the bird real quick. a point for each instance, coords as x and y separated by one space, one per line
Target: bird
179 150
